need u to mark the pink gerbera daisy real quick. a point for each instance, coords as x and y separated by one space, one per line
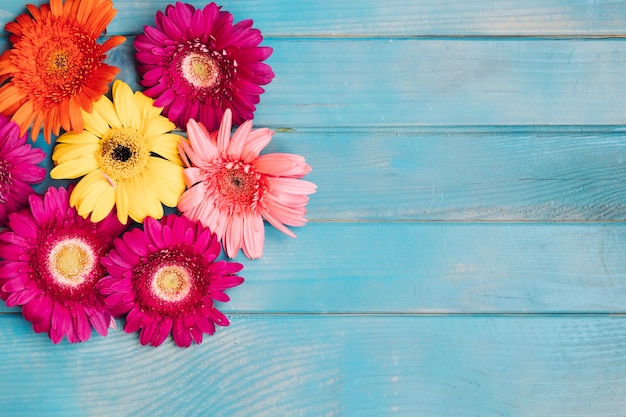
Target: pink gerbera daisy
18 169
51 263
196 64
166 278
232 189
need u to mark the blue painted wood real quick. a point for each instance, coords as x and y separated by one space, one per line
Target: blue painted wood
395 17
457 174
465 255
352 366
399 267
436 82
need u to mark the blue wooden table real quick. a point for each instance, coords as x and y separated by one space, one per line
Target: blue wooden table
466 251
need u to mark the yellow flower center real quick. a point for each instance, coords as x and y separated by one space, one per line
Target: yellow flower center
71 261
171 283
200 70
122 153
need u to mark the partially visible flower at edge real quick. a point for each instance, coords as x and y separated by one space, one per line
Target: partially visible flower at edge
196 64
232 189
165 278
18 169
50 263
55 67
127 155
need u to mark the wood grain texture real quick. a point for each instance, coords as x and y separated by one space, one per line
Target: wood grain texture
437 268
457 174
395 17
329 366
465 255
416 82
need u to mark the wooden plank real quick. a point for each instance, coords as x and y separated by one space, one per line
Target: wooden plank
369 17
417 82
468 174
329 366
464 174
406 267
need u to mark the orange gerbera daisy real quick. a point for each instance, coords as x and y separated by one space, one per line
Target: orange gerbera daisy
56 65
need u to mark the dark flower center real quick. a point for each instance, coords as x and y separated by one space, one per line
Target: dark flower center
122 153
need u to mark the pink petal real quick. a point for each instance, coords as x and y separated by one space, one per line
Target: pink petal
282 165
254 237
223 136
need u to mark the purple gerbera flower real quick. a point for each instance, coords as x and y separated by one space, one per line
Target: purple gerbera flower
18 169
50 263
196 64
166 279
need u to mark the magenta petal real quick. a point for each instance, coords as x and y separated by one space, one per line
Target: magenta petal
162 332
147 333
181 335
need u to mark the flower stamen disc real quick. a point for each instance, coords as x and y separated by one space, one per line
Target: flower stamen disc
71 261
239 185
200 70
171 283
123 153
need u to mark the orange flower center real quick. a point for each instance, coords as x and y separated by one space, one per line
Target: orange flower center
56 62
200 70
71 261
171 283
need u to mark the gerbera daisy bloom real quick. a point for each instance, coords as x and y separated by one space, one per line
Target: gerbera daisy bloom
51 263
127 155
196 64
56 67
232 189
18 169
165 278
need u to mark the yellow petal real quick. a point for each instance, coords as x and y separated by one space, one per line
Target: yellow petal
95 123
93 184
125 105
81 137
157 127
105 200
105 109
167 147
122 203
73 169
68 152
169 178
142 200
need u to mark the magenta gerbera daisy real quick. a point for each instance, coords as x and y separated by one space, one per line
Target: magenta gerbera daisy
232 189
18 169
166 279
50 263
196 64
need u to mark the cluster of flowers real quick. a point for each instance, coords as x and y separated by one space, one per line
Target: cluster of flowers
76 258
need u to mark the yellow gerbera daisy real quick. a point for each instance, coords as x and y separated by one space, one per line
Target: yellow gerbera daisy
127 157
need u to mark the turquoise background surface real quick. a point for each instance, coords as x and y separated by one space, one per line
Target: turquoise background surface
466 251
